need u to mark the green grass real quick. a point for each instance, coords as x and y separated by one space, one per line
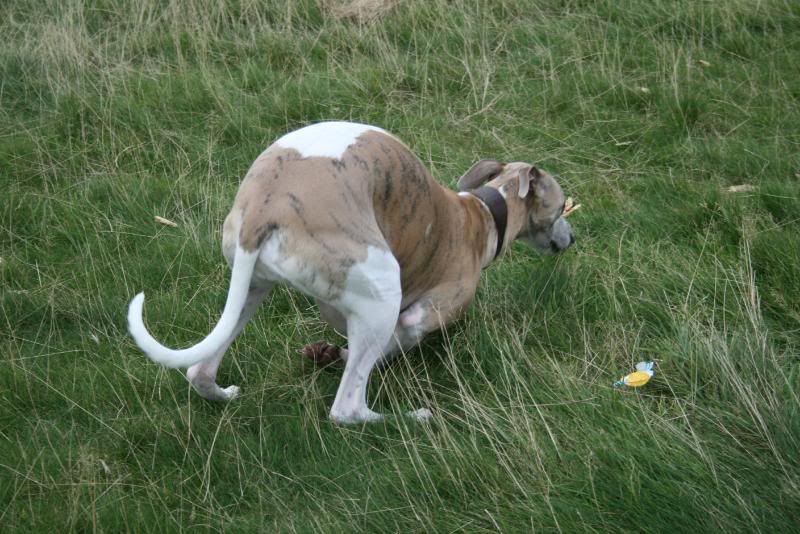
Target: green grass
112 112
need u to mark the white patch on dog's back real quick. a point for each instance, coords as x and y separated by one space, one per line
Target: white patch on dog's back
325 139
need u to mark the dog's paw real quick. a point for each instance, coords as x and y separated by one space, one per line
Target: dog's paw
322 353
423 414
355 417
229 393
211 391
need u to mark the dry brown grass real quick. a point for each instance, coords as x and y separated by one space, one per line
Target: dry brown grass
359 10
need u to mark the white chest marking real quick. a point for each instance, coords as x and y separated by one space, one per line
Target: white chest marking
325 139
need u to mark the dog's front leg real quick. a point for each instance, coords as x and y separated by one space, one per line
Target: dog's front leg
432 312
429 313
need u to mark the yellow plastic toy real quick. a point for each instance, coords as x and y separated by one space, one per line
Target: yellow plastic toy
638 378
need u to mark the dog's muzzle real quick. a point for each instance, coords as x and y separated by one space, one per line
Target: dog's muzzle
553 240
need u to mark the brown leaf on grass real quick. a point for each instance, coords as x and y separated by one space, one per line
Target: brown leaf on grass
703 63
165 222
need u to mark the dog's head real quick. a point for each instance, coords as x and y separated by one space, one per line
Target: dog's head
535 202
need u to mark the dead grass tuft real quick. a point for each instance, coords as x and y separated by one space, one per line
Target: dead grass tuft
359 10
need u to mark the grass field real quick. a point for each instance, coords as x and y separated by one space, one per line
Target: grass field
112 112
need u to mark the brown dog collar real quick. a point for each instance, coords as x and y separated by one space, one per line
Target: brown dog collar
493 200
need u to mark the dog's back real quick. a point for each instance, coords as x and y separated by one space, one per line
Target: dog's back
326 193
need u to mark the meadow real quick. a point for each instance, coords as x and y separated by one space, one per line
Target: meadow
653 115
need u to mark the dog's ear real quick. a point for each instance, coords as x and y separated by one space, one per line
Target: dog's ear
479 174
527 175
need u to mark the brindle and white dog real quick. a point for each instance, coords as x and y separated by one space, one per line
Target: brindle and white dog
347 214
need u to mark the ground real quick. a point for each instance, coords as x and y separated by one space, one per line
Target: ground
112 113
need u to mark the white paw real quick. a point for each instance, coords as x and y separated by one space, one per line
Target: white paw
423 414
356 417
229 393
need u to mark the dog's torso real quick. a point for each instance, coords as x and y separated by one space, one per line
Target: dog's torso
347 214
327 204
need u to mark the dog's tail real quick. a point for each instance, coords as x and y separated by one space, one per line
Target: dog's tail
243 265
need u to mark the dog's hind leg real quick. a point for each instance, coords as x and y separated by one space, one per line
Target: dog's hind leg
203 376
371 305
